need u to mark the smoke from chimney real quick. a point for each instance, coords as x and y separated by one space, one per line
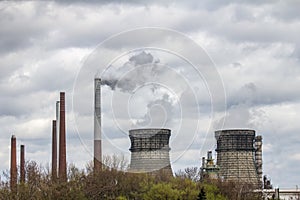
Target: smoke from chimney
145 73
139 68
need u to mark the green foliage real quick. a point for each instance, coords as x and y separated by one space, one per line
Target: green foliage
161 191
188 189
121 198
202 195
111 183
213 192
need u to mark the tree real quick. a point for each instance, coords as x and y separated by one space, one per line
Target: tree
162 191
192 173
202 195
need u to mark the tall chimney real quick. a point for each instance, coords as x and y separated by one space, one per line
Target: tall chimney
54 150
97 126
62 140
22 164
13 163
57 116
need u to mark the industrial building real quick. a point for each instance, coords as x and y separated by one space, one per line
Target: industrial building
239 156
150 150
209 170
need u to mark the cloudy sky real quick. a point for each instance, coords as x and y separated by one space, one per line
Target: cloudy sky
247 76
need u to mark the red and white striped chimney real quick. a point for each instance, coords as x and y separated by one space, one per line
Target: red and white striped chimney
97 126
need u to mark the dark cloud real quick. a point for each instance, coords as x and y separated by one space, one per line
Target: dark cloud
21 28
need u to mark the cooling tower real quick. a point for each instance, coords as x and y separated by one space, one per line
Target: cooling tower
235 155
150 150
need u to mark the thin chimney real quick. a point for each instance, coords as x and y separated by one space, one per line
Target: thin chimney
57 116
54 150
62 140
13 163
22 164
97 126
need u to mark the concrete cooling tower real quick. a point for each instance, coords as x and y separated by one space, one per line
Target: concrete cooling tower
150 150
236 156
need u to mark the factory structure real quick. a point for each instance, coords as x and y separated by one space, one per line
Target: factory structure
59 161
238 159
239 151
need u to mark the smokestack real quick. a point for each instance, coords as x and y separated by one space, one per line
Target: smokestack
57 116
13 163
209 155
22 164
203 162
62 140
97 126
54 150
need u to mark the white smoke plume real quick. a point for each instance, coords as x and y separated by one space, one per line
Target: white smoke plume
144 73
139 69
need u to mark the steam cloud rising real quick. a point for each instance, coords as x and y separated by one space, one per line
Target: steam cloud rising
143 72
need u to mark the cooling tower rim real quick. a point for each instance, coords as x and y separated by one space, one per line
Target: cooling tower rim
235 130
142 132
154 129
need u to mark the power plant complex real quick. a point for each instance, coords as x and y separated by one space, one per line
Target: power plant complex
239 152
238 159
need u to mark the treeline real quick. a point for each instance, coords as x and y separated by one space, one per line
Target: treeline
114 183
